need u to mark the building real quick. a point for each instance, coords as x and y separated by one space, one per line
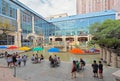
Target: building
88 6
29 26
75 29
57 16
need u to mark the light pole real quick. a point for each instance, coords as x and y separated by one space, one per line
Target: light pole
14 71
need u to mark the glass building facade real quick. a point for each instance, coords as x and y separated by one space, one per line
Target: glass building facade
24 19
79 24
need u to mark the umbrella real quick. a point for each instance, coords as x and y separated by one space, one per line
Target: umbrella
76 51
37 49
12 47
24 48
53 50
3 47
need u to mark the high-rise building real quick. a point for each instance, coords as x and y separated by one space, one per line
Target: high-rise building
88 6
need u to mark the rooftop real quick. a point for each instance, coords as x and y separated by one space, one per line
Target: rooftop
94 14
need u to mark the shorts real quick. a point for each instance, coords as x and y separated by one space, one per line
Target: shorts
74 70
100 71
94 71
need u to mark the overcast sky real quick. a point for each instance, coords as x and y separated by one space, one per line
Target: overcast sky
51 7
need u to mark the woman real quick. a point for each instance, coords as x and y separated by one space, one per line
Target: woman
74 69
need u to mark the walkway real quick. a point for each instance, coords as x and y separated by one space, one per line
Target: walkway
43 72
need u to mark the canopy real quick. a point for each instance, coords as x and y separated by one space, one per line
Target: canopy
3 47
37 49
76 51
12 47
53 50
24 48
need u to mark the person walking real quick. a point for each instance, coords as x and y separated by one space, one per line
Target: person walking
24 58
74 69
100 68
95 69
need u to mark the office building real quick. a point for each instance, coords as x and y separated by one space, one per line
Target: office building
27 24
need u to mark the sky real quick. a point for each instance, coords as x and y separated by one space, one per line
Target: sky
51 7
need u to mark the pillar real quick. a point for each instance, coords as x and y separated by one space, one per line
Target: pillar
33 24
19 29
114 59
104 54
108 57
101 53
65 44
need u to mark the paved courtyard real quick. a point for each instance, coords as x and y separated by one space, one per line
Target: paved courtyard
43 72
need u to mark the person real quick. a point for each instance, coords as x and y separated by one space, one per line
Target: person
82 63
19 60
9 60
95 68
74 69
41 57
55 58
14 59
36 58
24 58
51 60
100 68
33 57
58 60
77 66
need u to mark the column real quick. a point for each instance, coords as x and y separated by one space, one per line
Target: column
104 54
19 28
65 45
114 59
33 24
101 53
108 57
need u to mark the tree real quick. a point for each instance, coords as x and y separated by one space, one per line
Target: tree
5 27
107 33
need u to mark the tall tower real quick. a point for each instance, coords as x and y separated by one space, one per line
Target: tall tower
78 6
87 6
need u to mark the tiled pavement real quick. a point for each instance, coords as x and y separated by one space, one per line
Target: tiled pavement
43 72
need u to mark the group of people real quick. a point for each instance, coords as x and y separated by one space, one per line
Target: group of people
54 61
15 59
77 66
97 69
36 58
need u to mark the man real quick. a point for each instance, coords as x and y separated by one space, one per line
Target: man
100 66
95 69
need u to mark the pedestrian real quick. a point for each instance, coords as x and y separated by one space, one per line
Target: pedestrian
19 60
100 68
95 68
41 57
24 58
74 69
82 63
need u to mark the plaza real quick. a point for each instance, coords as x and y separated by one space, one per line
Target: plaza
21 26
